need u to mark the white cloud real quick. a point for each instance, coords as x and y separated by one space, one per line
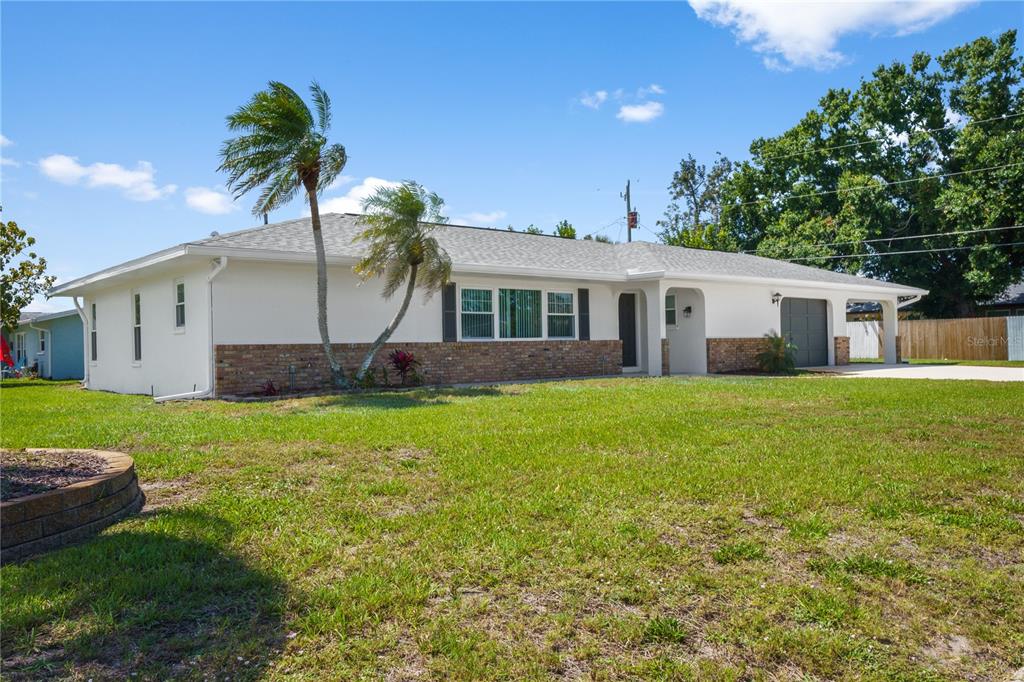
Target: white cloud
4 161
595 100
652 89
137 184
352 201
209 201
5 141
341 181
805 34
640 113
480 218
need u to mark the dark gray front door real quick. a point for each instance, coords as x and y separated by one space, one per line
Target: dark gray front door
627 328
805 325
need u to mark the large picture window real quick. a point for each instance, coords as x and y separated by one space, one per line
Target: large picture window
519 313
477 314
561 317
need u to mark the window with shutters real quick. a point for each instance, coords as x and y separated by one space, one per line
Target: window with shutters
519 314
561 316
477 314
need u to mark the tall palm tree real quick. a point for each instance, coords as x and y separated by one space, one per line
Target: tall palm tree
399 221
282 149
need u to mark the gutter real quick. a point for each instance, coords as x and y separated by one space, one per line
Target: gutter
912 299
86 335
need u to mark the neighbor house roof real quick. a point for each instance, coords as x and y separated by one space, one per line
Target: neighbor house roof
483 250
1014 295
38 316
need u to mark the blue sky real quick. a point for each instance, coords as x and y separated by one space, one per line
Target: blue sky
112 114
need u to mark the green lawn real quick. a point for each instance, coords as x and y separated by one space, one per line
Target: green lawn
703 528
966 363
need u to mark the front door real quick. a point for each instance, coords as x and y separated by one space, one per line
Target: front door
805 325
627 328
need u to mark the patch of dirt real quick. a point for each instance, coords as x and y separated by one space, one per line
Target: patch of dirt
28 473
161 494
949 649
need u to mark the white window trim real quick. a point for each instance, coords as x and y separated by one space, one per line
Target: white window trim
131 317
19 340
496 322
175 304
674 308
575 321
43 341
93 336
493 314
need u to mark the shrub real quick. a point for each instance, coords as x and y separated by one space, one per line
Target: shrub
268 388
663 629
778 357
405 363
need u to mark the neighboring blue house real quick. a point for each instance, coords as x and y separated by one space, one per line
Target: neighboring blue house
52 342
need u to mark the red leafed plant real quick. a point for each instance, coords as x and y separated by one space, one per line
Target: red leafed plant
404 362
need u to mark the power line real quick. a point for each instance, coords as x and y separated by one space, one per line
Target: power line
884 183
1004 117
902 253
912 236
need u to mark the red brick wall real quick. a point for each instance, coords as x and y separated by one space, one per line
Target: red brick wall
842 344
243 369
734 355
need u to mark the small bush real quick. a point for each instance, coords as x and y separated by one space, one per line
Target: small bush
778 357
405 363
269 389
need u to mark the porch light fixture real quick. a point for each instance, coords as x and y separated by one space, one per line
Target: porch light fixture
687 311
776 297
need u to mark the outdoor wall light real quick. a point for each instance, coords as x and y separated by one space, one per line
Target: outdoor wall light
687 311
776 297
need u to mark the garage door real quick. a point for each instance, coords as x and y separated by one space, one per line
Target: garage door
805 325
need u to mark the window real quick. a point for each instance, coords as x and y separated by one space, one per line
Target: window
561 319
179 304
137 327
42 341
19 348
670 310
92 334
519 313
477 314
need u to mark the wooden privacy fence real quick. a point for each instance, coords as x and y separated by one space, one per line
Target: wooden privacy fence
971 338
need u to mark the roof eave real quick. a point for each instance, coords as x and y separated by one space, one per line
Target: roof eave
73 287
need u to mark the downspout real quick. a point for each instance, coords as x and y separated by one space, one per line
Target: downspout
208 392
85 340
49 340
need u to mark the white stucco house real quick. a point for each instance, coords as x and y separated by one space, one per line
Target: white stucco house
224 315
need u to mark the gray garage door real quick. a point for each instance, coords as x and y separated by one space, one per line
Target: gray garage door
805 325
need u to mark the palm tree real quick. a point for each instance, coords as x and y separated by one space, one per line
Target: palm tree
281 149
399 221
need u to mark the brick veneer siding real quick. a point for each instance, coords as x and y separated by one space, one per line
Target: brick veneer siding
734 355
243 369
842 353
666 359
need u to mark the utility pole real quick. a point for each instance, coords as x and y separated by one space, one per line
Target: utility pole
631 218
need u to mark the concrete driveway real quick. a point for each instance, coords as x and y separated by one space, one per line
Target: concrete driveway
871 370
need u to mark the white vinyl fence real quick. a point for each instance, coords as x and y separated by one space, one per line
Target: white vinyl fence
865 339
1015 337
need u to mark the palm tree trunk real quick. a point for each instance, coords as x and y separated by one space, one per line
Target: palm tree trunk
337 374
390 329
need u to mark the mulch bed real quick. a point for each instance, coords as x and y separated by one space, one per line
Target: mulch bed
27 473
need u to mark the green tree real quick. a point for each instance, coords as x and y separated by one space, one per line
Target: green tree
20 281
935 146
533 229
399 222
565 230
694 216
598 238
282 149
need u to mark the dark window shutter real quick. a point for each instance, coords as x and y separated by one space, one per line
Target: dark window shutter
449 332
584 303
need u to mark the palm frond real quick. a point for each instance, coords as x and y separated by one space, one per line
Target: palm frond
322 103
278 191
332 162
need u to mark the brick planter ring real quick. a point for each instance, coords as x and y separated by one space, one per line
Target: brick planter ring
59 517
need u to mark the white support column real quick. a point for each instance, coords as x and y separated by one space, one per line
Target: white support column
890 330
654 294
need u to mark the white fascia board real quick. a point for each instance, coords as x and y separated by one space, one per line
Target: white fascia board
69 288
891 290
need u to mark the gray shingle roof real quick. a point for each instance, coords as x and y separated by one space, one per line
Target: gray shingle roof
474 246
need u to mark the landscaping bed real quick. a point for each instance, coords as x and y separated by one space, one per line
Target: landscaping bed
27 472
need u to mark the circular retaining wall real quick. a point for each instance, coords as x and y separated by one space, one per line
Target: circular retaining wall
52 519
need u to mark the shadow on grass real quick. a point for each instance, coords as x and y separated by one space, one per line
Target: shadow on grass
167 601
420 397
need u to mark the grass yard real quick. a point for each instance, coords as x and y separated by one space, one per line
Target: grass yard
703 528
